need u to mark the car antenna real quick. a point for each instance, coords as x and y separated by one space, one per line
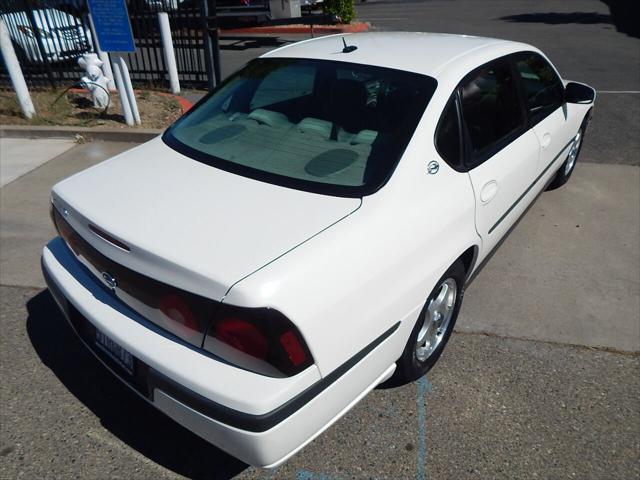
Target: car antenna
348 48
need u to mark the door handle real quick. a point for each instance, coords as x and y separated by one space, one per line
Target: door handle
546 140
488 191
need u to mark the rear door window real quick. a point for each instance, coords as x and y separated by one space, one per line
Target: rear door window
491 109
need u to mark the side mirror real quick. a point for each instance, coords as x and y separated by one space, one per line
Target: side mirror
579 93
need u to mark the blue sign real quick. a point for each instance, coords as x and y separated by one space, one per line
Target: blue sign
112 26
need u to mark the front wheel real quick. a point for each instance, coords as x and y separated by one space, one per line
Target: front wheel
569 164
434 326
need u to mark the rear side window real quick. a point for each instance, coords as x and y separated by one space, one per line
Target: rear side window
448 135
491 108
543 88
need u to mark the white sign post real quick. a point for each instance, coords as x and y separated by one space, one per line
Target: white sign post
110 20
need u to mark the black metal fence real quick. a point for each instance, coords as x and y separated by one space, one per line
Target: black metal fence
47 40
50 35
190 28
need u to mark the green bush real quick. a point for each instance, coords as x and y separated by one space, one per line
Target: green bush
342 8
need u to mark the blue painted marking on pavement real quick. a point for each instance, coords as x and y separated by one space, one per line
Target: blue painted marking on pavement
428 384
423 387
307 475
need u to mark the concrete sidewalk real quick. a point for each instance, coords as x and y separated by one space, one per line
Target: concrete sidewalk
570 270
19 156
24 209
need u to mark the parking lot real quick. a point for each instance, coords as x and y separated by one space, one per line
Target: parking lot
540 380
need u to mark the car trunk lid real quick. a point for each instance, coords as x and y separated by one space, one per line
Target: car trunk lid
195 227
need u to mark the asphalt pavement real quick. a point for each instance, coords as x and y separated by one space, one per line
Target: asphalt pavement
540 380
492 408
579 36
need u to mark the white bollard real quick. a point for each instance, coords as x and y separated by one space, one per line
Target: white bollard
124 100
126 78
15 72
169 54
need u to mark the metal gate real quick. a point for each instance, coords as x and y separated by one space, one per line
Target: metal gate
188 29
50 35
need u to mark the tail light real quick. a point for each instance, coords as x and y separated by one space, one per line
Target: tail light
261 340
258 339
182 313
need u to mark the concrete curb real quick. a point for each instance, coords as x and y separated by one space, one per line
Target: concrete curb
341 28
138 135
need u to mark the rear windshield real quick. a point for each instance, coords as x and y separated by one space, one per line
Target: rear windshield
322 126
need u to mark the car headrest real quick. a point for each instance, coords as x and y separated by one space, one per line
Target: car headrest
268 117
316 126
364 137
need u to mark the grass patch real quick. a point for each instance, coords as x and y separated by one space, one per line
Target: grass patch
59 108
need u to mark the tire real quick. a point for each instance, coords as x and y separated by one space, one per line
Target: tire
569 165
416 360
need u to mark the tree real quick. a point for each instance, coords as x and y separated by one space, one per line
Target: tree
341 8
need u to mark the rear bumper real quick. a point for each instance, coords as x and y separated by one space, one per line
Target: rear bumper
216 401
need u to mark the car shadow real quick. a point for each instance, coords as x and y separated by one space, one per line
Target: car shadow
560 18
120 411
624 16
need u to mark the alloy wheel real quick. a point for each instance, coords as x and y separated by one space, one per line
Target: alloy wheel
437 317
573 153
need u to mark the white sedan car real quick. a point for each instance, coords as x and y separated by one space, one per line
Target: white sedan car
308 228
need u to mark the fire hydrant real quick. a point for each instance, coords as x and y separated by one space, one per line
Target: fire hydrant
95 81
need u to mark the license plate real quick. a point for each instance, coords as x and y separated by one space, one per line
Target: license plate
115 352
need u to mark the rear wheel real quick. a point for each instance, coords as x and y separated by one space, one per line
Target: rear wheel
434 326
565 171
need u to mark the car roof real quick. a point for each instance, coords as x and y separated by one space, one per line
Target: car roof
426 53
